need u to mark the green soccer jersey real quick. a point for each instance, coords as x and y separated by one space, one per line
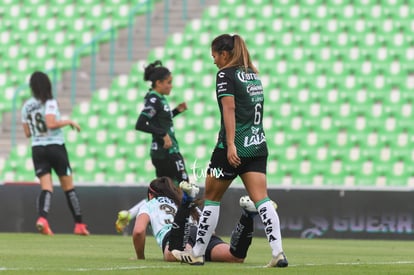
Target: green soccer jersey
158 111
247 90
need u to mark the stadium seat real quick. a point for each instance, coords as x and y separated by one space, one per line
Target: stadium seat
337 80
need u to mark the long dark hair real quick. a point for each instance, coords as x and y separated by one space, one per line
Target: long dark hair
237 49
156 71
165 187
41 86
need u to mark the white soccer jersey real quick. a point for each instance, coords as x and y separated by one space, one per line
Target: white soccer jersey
34 113
161 211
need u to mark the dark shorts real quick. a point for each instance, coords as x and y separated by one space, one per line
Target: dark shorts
54 156
173 167
220 167
215 240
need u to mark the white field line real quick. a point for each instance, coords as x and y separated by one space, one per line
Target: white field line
174 266
358 263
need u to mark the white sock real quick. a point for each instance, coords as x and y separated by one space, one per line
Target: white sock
206 226
271 224
133 211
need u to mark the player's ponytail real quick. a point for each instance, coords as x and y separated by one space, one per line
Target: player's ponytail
237 49
241 54
156 71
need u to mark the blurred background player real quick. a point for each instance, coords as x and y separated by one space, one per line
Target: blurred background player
173 215
41 121
241 148
156 118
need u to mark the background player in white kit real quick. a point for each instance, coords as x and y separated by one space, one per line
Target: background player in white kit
42 123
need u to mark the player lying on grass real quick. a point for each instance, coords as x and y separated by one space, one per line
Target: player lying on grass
172 215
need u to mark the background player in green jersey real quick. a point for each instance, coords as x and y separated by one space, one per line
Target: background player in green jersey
42 123
241 149
156 119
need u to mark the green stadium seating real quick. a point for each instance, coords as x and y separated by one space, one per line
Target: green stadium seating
338 86
41 35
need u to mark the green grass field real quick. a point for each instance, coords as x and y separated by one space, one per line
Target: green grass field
23 253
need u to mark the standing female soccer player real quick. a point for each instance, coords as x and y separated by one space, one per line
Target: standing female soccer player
41 121
168 211
156 119
241 148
